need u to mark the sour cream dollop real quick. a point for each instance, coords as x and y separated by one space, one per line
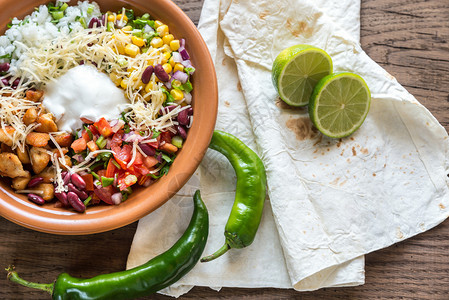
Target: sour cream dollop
83 92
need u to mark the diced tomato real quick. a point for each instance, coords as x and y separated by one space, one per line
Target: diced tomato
169 148
79 145
111 169
93 129
123 155
105 194
104 128
102 172
116 140
139 158
92 146
86 121
89 180
141 169
126 180
150 161
166 136
85 136
155 144
95 199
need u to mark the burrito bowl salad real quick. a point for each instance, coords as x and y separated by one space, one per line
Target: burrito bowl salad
91 103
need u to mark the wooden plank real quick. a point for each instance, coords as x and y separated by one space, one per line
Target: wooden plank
409 38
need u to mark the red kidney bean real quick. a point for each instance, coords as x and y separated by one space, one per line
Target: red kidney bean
147 149
5 81
4 67
78 181
146 75
66 178
183 117
36 199
167 109
181 131
103 19
75 202
160 73
35 181
62 197
73 189
190 111
16 82
94 21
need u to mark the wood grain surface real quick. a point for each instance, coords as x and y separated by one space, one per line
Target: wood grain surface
409 38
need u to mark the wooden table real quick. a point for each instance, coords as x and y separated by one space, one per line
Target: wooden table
409 38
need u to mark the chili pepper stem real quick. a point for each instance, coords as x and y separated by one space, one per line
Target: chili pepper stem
217 254
14 277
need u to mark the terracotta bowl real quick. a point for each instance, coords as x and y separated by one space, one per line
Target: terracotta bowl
102 218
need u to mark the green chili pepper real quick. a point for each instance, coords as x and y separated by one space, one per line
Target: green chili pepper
106 181
101 142
250 192
156 274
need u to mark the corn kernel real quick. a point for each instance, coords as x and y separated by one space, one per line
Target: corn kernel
168 38
164 97
124 83
177 94
156 42
165 57
115 78
132 50
158 23
166 48
137 41
150 62
167 68
171 62
141 85
111 18
127 29
174 45
162 30
178 67
120 47
122 18
149 87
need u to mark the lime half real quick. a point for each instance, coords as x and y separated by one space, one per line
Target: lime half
296 71
339 104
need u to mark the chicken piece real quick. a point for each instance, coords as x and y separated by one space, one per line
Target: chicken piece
4 138
37 139
48 174
11 166
48 190
68 162
30 116
64 139
39 159
34 95
6 148
23 156
20 183
58 153
47 124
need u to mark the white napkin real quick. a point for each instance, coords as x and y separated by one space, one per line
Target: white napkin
332 200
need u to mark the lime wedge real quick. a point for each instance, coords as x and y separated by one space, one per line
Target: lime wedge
296 71
339 104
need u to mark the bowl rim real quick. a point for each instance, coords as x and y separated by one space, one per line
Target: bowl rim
17 209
